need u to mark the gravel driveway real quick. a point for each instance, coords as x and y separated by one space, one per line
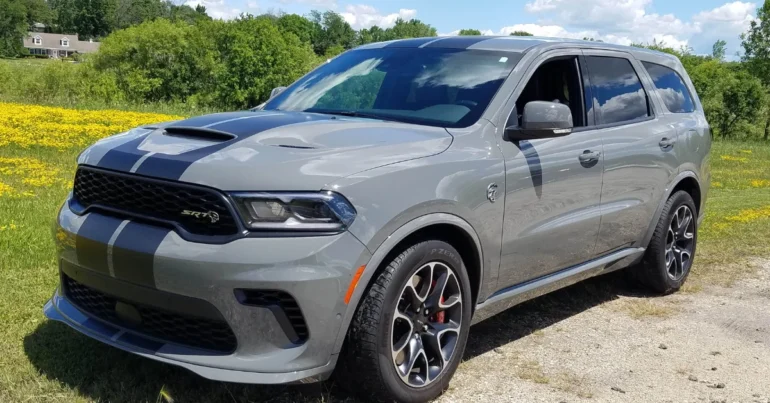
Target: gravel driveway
603 341
599 342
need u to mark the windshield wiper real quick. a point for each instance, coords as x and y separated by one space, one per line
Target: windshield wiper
353 113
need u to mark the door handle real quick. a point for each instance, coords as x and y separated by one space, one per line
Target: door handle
589 157
666 142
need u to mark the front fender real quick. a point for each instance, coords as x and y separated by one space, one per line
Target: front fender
390 242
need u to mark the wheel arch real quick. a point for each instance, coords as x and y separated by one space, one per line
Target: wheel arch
442 226
687 181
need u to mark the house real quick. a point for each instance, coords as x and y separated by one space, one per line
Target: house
57 45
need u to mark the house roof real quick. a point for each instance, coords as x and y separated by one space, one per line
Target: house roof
52 41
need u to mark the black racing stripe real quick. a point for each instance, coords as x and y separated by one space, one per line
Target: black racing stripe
459 42
92 240
134 252
410 43
124 156
173 166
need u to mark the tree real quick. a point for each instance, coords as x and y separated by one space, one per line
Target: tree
134 12
300 26
13 27
188 14
756 50
756 44
520 33
469 32
743 97
87 18
38 11
410 29
159 61
718 50
256 57
331 30
373 34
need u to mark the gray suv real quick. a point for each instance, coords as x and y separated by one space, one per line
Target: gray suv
362 219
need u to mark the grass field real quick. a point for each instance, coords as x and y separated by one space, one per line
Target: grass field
45 361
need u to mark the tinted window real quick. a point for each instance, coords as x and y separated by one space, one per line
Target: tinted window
671 88
436 86
617 91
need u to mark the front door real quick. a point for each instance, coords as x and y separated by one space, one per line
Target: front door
553 186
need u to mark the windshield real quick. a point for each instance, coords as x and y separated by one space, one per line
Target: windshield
430 86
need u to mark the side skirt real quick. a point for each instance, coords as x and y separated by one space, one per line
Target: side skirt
512 296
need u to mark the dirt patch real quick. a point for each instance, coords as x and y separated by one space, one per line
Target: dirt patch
600 341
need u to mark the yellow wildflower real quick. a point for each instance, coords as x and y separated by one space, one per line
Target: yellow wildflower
731 158
9 227
746 151
749 215
35 125
760 183
30 172
5 189
717 184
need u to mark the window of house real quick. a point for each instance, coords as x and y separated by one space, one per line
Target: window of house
671 88
618 94
64 42
557 80
37 40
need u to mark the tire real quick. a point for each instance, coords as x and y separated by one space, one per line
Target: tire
656 271
368 365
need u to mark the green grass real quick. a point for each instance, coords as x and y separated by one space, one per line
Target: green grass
737 224
45 361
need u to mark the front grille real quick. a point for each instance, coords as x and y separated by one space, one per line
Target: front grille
170 326
283 306
155 199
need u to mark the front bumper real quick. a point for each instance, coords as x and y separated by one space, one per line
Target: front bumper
315 271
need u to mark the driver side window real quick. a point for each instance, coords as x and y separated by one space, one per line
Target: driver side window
558 80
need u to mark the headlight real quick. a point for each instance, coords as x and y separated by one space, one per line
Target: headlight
322 211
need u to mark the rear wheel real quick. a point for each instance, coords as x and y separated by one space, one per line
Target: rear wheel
409 332
669 256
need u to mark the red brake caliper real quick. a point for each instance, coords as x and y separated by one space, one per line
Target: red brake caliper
439 317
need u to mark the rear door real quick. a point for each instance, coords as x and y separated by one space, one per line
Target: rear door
639 157
679 110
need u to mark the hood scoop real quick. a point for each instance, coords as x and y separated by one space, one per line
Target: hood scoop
293 146
201 133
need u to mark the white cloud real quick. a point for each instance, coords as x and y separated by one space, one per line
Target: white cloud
364 16
629 21
622 22
726 22
217 8
314 3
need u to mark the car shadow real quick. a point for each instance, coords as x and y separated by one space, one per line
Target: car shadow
103 373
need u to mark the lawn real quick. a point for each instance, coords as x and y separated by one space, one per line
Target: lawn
45 361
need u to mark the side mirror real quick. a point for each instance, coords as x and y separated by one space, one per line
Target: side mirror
276 91
542 120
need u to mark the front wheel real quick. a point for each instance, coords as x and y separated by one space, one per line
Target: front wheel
670 254
409 332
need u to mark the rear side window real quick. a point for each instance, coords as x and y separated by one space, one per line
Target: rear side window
618 93
671 88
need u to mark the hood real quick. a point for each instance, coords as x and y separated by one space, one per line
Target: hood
265 150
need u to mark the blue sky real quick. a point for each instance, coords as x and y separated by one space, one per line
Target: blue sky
697 24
